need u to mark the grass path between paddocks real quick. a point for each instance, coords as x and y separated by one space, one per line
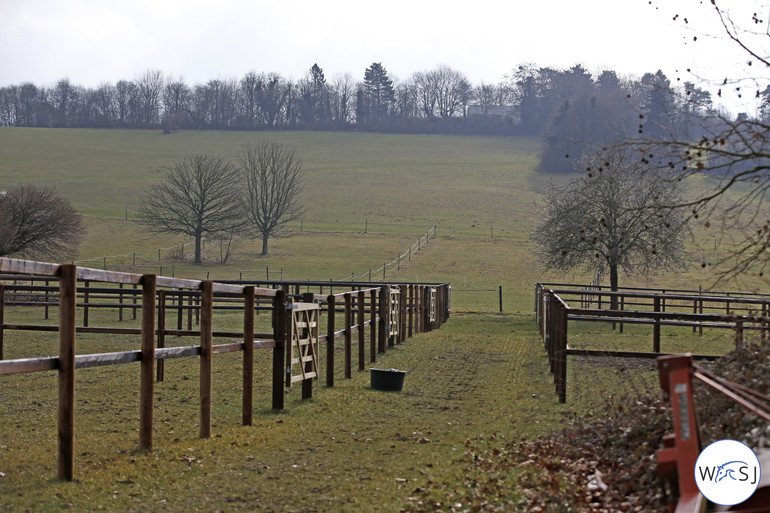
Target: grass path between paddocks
350 448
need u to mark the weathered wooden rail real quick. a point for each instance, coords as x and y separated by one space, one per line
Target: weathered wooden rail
557 304
395 311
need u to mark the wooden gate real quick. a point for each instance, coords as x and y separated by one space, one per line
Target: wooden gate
302 347
394 313
432 306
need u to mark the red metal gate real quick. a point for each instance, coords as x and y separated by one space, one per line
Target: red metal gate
676 461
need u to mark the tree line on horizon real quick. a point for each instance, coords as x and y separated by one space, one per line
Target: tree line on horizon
564 106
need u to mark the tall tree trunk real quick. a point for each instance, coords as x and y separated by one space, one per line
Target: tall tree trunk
264 244
198 259
614 284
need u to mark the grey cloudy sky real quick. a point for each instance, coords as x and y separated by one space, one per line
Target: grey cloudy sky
95 41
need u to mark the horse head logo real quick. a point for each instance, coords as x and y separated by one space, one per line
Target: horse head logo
728 470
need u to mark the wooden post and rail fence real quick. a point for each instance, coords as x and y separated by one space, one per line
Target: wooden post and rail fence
392 311
558 304
676 460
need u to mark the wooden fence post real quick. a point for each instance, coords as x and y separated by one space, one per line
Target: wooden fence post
556 345
47 294
410 310
133 300
189 312
700 310
279 356
2 321
562 385
549 330
360 319
147 362
348 335
87 284
656 326
695 311
66 409
373 325
428 326
160 367
443 291
622 307
330 306
402 314
120 302
207 310
248 356
419 307
384 304
179 310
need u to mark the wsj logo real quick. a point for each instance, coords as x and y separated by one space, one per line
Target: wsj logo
727 472
735 470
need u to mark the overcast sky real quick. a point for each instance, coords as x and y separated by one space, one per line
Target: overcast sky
96 41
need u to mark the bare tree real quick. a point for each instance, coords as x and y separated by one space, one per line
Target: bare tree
486 97
342 98
272 174
453 91
608 217
729 154
38 223
176 104
200 195
150 89
63 97
442 92
272 99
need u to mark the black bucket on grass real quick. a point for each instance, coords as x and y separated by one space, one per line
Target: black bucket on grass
391 380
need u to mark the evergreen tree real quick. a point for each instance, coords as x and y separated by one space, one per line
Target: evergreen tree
379 92
320 95
660 106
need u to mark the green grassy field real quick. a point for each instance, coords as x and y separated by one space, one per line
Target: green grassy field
350 448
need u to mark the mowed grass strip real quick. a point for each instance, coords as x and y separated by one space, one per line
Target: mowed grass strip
350 448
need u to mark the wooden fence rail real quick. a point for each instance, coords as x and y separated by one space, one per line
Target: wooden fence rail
652 307
149 294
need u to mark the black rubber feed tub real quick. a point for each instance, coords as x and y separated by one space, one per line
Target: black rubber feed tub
391 380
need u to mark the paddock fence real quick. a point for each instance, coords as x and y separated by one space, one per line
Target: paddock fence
558 304
388 312
158 259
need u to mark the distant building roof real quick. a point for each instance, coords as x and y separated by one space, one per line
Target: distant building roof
494 111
